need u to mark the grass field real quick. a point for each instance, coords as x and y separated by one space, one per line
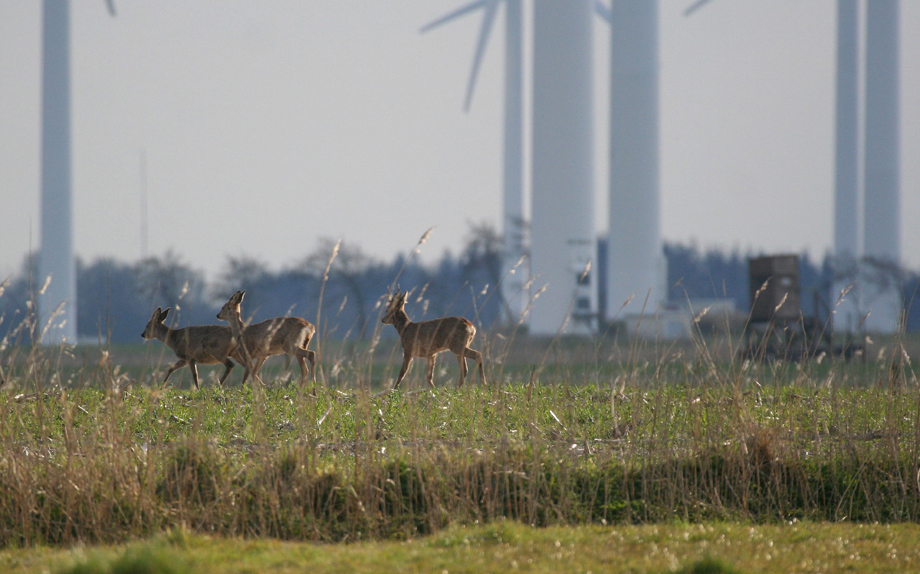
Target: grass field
508 547
617 449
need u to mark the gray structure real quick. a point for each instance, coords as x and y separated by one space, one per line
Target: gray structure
635 261
846 156
56 262
562 227
882 238
57 304
868 269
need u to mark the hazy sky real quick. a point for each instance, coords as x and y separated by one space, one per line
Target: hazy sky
267 125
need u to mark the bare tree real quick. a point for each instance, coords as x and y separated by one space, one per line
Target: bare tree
483 255
349 268
169 280
240 273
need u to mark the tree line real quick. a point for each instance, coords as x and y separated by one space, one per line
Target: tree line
341 287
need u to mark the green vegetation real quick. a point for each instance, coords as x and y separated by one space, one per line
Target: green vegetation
103 457
721 548
601 455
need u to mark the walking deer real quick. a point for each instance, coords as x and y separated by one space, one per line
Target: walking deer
281 335
428 338
205 344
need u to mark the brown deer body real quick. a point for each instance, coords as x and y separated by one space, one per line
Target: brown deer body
428 338
205 344
281 335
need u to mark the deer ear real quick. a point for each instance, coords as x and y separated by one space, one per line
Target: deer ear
241 294
164 313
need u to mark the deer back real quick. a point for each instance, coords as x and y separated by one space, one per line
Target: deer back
427 338
279 335
206 344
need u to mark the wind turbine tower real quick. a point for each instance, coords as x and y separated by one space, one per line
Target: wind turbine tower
56 262
882 203
881 209
514 226
562 221
880 213
846 156
635 261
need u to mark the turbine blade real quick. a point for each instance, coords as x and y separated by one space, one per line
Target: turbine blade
110 4
603 11
455 14
488 18
695 6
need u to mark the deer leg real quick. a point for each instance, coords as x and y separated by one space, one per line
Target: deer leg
477 356
311 356
252 370
246 360
303 368
256 368
302 354
463 368
229 364
194 368
407 360
431 360
181 363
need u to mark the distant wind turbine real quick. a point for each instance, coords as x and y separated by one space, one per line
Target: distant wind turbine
880 215
562 222
635 264
514 227
882 223
57 261
846 137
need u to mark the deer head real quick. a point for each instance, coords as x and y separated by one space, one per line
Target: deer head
232 307
395 304
150 331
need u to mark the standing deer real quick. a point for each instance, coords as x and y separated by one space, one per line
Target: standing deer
205 344
281 335
428 338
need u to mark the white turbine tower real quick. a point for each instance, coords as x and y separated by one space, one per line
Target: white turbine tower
847 250
880 214
56 262
635 264
882 224
514 228
881 209
562 221
846 155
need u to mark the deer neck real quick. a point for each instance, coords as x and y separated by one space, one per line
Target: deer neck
170 337
236 326
401 321
162 333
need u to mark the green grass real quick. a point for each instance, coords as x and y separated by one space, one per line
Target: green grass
510 547
95 450
100 466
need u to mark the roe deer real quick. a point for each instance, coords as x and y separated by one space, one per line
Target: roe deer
290 335
205 344
428 338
